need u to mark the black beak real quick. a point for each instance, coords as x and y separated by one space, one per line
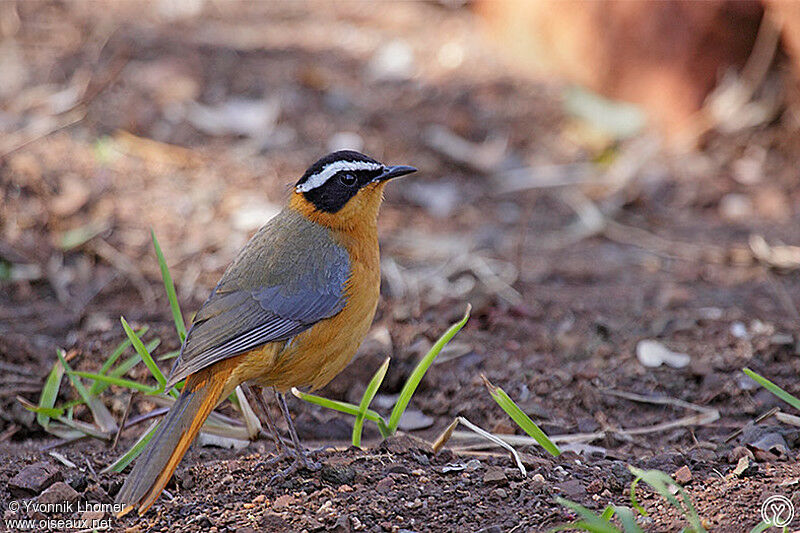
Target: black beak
394 172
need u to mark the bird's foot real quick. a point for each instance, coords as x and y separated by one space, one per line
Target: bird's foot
301 462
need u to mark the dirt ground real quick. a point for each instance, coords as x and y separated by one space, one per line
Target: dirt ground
119 121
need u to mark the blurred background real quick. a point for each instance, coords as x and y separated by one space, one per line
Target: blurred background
592 175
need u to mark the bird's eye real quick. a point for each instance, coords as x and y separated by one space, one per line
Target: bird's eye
347 179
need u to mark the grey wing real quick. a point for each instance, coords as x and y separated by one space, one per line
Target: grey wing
232 322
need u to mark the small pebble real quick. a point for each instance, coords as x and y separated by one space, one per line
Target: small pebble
473 464
499 493
495 476
385 485
58 492
92 516
683 475
33 479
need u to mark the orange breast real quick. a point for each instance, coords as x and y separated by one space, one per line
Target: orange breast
317 355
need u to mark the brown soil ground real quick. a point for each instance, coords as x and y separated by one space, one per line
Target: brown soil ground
557 315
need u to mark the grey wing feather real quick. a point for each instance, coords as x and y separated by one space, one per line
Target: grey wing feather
239 316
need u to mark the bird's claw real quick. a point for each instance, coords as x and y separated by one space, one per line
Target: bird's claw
299 463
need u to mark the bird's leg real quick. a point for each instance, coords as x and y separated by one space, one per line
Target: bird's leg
256 397
301 459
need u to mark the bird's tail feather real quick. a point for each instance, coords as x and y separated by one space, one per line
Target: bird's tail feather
180 426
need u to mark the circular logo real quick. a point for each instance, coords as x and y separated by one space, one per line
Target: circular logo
777 511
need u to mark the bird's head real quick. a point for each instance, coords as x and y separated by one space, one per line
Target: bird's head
344 188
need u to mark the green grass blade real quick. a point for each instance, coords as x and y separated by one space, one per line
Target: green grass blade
661 483
100 412
419 372
761 526
634 502
132 453
47 399
125 366
366 399
169 355
344 407
774 389
50 412
627 520
110 380
144 354
519 416
108 363
589 520
608 513
177 316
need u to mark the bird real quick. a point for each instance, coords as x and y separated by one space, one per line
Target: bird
289 311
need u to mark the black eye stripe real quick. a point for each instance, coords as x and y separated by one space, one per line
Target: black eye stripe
329 195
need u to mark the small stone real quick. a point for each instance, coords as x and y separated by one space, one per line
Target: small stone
414 504
261 498
338 474
58 492
342 525
185 479
472 465
683 475
283 501
501 494
736 454
537 480
572 489
495 476
325 510
273 522
702 455
652 354
741 466
92 516
397 468
33 479
385 485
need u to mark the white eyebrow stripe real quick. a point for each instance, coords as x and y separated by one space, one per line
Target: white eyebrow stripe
330 170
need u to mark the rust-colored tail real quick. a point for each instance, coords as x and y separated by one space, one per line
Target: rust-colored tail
176 432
